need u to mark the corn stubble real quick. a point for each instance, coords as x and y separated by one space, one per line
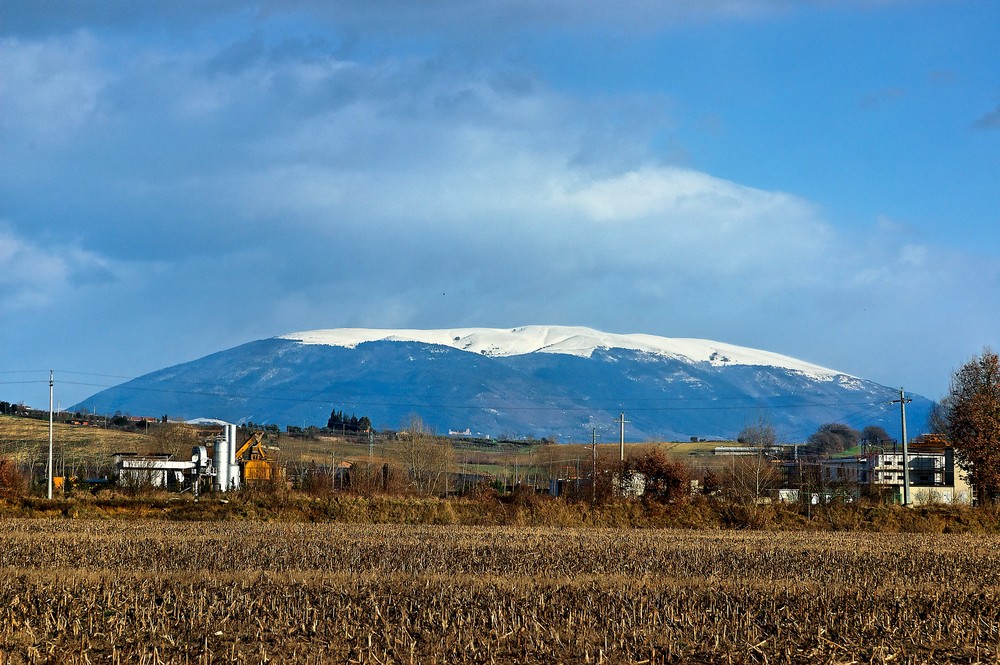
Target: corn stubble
153 592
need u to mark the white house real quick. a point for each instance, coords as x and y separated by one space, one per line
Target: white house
934 475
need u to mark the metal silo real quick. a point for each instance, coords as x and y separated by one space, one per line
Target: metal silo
234 468
220 458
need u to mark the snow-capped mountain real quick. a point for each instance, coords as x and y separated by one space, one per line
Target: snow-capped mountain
541 381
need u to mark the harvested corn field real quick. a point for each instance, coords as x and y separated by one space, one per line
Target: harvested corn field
144 591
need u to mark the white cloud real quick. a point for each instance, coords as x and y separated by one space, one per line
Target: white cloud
393 152
677 192
414 190
914 256
29 276
32 276
409 161
50 89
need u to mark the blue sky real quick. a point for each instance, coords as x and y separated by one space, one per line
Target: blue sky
817 179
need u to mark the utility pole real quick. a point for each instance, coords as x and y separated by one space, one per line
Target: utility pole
621 439
50 434
593 468
902 401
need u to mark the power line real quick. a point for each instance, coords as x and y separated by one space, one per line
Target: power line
351 399
363 399
617 399
321 397
856 417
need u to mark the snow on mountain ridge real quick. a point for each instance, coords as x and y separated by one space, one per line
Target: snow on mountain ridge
567 340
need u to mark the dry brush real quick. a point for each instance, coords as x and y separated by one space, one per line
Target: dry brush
147 591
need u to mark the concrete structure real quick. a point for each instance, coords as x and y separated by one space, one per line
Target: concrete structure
163 472
632 485
746 451
934 475
159 471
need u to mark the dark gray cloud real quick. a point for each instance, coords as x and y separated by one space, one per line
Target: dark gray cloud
990 120
238 56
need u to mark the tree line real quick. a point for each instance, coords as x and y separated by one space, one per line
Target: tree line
340 421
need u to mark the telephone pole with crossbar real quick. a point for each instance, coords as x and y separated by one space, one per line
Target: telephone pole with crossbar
621 439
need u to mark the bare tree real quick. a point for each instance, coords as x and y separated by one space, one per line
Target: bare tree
875 436
753 475
174 438
428 458
937 417
833 438
758 434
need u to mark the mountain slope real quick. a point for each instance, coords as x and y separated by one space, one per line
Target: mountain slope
532 381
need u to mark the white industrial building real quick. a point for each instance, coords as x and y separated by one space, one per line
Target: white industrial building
221 470
935 477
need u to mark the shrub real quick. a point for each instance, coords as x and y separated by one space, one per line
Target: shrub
667 480
12 482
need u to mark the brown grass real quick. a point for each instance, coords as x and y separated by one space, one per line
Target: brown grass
22 437
487 509
153 591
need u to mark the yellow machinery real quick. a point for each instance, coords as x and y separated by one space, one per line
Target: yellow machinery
255 463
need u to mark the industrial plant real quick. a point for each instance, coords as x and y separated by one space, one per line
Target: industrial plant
227 468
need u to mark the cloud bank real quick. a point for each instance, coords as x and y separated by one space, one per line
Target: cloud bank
270 178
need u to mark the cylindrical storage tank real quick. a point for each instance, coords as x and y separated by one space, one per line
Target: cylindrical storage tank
234 468
220 459
199 455
231 433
